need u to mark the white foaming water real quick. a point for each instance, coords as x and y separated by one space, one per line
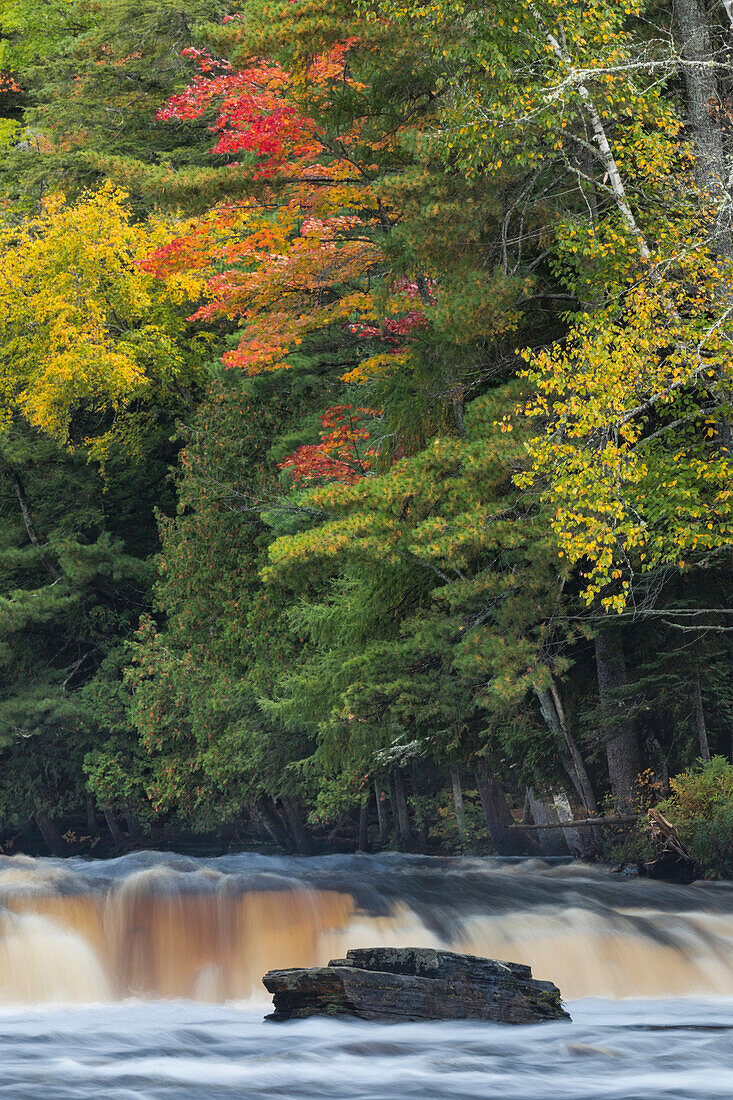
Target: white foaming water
624 1050
644 954
181 934
42 961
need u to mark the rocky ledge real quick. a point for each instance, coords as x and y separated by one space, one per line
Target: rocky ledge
399 984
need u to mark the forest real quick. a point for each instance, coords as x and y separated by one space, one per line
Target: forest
366 414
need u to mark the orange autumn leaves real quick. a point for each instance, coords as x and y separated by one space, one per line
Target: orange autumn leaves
287 261
296 256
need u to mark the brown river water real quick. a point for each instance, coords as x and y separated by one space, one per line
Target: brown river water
140 979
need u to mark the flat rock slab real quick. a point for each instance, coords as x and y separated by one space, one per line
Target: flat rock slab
406 983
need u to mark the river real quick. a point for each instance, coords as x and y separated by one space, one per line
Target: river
139 978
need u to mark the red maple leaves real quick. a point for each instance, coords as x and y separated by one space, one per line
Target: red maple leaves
343 453
254 113
296 256
392 327
404 293
274 259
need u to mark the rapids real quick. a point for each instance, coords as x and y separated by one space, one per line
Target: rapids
139 977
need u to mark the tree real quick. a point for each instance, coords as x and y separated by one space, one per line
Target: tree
634 451
73 580
463 460
433 613
89 339
92 80
96 361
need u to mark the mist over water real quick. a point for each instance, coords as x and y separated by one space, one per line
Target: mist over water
140 978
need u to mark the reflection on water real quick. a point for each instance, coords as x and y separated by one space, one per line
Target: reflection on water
151 925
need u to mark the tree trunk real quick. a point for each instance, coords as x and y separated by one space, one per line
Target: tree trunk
262 825
25 512
728 5
663 767
268 820
551 841
496 815
422 825
91 815
702 733
600 139
399 810
581 842
364 827
51 836
455 778
706 110
702 94
381 814
570 755
114 829
297 828
133 826
459 413
622 744
393 805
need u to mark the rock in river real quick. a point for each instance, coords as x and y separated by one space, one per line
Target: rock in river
405 983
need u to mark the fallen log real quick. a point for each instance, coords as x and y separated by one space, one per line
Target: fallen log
401 984
583 822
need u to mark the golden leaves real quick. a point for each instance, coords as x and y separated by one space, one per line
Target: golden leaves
84 328
628 458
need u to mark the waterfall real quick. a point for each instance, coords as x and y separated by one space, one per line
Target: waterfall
151 925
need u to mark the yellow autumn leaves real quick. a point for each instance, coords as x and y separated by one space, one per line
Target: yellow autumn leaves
85 333
633 460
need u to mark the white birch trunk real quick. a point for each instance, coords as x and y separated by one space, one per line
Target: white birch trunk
604 146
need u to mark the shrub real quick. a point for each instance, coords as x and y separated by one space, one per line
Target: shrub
700 806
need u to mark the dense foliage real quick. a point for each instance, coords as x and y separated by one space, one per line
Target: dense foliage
366 417
699 805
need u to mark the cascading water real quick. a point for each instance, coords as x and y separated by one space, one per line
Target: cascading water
138 932
154 926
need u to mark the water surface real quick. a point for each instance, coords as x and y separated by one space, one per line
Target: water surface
139 979
627 1050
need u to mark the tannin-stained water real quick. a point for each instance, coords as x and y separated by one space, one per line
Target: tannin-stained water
139 978
151 925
